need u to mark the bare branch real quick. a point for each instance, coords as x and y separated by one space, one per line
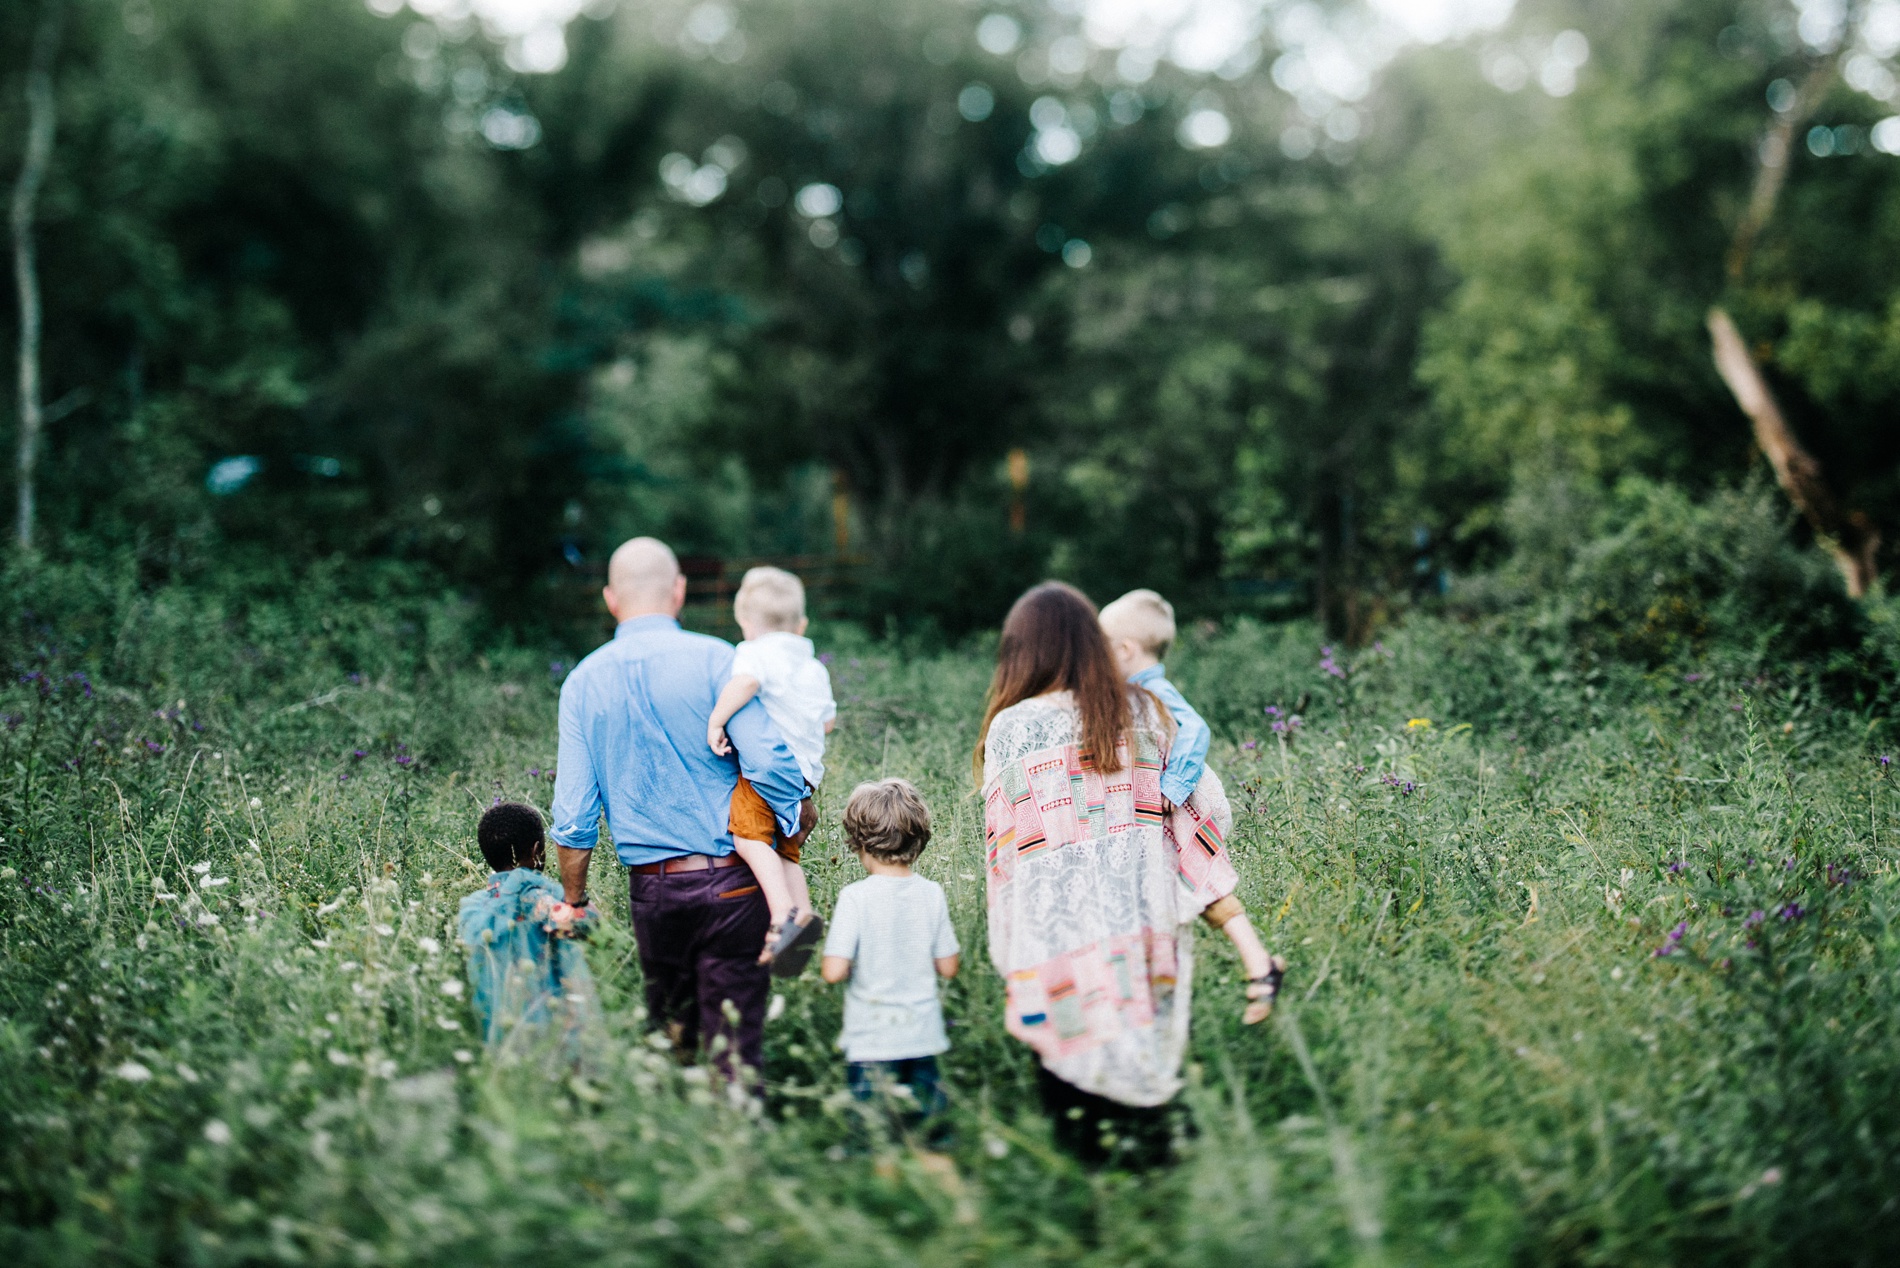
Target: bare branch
40 106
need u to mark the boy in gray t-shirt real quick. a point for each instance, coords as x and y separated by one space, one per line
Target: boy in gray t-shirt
891 940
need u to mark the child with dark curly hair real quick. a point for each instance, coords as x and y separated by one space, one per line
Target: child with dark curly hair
525 962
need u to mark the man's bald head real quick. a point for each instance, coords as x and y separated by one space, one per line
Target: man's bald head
643 578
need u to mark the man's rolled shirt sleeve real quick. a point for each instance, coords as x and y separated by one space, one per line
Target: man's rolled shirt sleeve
767 763
577 794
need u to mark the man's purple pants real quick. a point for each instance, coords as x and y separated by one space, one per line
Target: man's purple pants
700 934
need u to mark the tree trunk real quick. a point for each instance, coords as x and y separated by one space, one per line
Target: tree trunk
39 152
1850 537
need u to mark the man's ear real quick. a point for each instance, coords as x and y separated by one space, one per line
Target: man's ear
612 600
679 593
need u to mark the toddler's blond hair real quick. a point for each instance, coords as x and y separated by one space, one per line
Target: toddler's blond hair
1145 617
887 820
771 597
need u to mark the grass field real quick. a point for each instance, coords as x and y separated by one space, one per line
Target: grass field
1594 968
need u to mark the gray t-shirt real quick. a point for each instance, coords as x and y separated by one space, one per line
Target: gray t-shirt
892 929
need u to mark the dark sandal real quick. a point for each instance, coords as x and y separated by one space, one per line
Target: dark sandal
1262 991
793 948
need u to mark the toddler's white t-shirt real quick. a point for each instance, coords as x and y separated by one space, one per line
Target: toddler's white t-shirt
893 929
795 689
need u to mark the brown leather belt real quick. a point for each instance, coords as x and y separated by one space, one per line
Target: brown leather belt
686 863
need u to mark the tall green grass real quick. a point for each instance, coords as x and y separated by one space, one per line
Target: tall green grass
233 848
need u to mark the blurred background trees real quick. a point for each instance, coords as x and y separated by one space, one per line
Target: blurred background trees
1316 319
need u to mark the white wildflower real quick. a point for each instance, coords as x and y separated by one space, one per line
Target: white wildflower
448 1023
338 1057
257 803
201 868
464 1056
213 882
429 946
132 1072
217 1132
186 1073
206 920
452 987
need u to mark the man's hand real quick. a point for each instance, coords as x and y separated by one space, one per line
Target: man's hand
807 820
716 739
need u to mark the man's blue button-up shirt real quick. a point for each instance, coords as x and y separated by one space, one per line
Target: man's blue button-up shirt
1187 756
633 742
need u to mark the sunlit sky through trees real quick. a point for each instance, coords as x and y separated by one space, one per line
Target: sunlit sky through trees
1197 35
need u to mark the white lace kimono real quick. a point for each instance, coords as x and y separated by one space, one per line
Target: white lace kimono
1093 890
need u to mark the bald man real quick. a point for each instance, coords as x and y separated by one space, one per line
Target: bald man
633 746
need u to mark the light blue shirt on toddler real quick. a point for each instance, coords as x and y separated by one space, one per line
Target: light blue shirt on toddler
1187 756
893 929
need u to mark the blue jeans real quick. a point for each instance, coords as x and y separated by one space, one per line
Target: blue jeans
867 1079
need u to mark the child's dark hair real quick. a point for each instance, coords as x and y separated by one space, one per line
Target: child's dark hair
887 820
511 835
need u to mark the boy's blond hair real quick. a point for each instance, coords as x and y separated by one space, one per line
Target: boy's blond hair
771 597
887 820
1145 617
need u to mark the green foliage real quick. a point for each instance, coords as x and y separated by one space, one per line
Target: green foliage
223 1037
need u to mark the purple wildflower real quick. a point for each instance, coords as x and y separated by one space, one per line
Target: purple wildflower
1792 911
153 746
404 760
824 658
357 754
1250 745
1328 665
1885 761
534 772
344 778
1754 918
1672 940
1675 867
556 669
1692 677
85 683
12 721
1787 865
1839 875
356 680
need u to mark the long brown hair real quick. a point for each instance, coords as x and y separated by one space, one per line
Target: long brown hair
1053 642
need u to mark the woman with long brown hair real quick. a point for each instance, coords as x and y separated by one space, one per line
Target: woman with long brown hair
1094 879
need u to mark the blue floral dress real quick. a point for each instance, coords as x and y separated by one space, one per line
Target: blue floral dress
516 966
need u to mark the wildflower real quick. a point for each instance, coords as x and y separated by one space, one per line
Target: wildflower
448 1023
257 803
1792 912
1692 677
131 1072
201 868
1885 761
556 669
463 1055
153 746
1839 875
1672 940
404 760
1328 665
217 1132
429 946
186 1073
12 721
1418 724
356 680
85 684
1250 745
451 987
1754 918
1676 867
1273 711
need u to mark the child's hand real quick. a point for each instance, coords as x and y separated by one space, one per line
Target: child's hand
716 738
1168 806
564 916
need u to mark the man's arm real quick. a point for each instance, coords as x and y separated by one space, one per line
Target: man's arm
768 764
577 797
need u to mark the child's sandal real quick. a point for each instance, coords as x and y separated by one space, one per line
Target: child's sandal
792 947
1262 991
